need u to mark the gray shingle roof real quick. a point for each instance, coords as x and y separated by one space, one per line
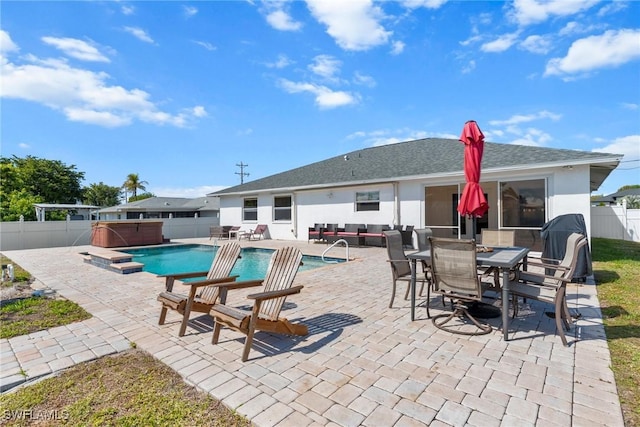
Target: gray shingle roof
167 204
431 156
613 197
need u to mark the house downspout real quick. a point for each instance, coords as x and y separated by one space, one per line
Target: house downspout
294 216
396 204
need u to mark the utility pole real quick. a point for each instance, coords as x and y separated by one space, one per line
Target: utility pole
242 173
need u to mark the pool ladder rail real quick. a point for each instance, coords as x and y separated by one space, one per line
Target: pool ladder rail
346 244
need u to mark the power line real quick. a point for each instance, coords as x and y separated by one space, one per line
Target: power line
242 173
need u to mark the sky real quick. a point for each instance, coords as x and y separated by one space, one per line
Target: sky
183 93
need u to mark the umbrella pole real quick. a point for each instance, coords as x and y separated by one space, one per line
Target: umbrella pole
473 228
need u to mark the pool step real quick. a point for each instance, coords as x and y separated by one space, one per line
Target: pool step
126 267
117 262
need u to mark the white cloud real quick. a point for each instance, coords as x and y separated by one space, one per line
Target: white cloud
353 24
190 11
380 137
536 44
128 10
397 47
199 111
525 118
612 7
205 45
471 65
500 44
281 20
139 33
611 49
75 48
325 98
429 4
84 95
101 118
24 146
531 136
627 145
188 192
325 66
364 80
527 136
573 28
6 44
244 132
473 39
525 12
630 106
282 62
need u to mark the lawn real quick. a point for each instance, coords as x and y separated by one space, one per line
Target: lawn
616 266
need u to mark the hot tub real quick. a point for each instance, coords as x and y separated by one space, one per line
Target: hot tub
110 234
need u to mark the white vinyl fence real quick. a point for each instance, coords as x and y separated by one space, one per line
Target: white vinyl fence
615 222
16 235
612 222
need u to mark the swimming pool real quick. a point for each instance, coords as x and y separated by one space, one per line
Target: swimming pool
253 263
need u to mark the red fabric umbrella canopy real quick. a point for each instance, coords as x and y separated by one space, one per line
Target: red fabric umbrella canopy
472 202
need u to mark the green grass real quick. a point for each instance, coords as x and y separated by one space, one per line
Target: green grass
27 315
127 389
616 266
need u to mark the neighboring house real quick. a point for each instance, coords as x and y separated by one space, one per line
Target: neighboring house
418 183
163 207
615 198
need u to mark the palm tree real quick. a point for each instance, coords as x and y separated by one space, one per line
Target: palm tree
133 184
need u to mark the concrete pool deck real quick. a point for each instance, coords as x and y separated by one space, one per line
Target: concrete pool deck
362 364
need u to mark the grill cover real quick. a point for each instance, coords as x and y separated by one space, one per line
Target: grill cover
554 236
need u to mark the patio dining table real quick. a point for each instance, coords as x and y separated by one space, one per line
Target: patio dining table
504 258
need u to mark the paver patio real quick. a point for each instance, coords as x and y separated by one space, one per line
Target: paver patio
362 364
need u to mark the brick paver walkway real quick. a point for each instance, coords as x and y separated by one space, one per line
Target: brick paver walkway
362 364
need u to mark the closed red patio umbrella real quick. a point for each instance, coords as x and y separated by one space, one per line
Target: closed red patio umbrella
472 202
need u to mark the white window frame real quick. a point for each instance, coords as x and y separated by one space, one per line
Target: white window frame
277 209
367 201
246 210
501 224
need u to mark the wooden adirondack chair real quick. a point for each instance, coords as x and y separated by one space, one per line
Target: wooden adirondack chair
202 294
266 304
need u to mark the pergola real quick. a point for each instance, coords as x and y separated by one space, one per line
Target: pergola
81 210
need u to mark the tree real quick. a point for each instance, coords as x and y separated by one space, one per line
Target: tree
24 181
141 197
51 180
133 184
629 187
633 202
102 195
19 203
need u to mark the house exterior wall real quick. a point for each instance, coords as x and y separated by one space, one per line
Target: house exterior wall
337 206
403 203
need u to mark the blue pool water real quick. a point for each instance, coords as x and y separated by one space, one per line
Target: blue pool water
187 258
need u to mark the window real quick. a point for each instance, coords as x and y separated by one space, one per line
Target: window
523 203
250 209
282 208
367 201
